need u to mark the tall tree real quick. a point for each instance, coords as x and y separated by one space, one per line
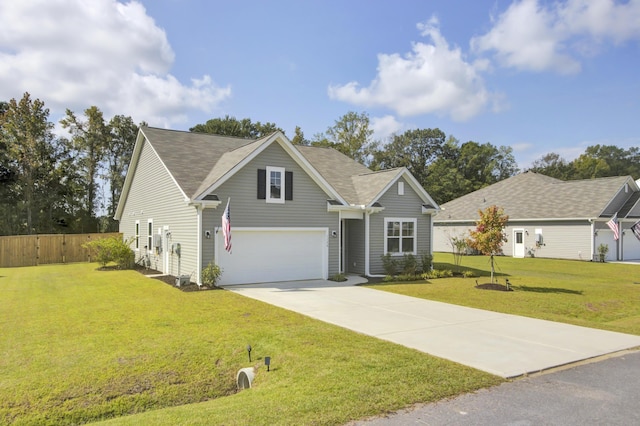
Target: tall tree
461 169
118 153
351 134
414 149
298 137
89 139
30 152
230 126
553 165
485 164
489 234
607 160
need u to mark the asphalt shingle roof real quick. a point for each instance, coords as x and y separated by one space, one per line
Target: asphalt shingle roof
190 157
198 160
534 196
353 181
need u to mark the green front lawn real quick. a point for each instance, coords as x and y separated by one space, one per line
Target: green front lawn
591 294
81 345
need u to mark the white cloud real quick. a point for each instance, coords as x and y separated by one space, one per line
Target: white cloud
433 78
535 37
74 54
384 127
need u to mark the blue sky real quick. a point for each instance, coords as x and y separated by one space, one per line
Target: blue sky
538 76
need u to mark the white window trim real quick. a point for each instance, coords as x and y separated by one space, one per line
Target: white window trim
280 170
149 235
136 235
415 234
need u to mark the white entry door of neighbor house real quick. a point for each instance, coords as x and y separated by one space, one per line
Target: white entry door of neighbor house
518 243
273 254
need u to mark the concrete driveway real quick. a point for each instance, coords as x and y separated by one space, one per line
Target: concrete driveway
501 344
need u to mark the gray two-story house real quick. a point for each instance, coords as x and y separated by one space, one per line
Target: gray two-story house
296 212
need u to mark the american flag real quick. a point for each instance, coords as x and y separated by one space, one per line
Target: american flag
636 229
613 224
226 227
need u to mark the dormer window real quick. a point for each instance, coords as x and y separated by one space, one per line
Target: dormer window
275 185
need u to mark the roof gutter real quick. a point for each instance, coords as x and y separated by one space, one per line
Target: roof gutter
552 219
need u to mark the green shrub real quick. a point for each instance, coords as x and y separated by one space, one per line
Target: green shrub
387 278
338 278
389 264
603 249
426 262
406 277
437 273
409 264
210 274
112 249
468 274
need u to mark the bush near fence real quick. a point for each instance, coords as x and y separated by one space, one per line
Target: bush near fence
32 250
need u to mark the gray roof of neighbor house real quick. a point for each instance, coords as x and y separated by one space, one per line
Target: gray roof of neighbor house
534 196
198 160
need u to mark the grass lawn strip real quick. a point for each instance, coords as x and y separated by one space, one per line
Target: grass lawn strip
80 345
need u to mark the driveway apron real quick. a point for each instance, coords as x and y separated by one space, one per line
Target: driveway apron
501 344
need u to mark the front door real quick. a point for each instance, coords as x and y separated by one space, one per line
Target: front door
518 243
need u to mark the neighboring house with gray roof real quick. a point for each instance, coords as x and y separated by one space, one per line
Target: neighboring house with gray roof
297 212
549 217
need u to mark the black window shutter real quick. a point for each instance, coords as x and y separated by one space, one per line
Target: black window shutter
262 184
288 185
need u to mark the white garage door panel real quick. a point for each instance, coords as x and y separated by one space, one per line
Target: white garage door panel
631 246
273 255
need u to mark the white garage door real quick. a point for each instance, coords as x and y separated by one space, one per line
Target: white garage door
631 246
273 254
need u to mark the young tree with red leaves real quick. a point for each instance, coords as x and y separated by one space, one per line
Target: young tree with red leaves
489 234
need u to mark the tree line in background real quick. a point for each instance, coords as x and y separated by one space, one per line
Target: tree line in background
53 184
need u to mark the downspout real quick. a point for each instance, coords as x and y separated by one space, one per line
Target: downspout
199 245
593 239
431 238
340 260
366 243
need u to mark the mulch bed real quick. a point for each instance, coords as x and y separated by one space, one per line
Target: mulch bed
171 280
167 279
495 286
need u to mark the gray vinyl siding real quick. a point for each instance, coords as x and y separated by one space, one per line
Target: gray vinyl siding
442 234
154 195
408 205
561 239
307 209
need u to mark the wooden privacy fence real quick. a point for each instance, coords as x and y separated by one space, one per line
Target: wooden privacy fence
32 250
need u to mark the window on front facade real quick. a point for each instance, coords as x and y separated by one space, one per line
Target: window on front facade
400 236
149 234
275 185
137 235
